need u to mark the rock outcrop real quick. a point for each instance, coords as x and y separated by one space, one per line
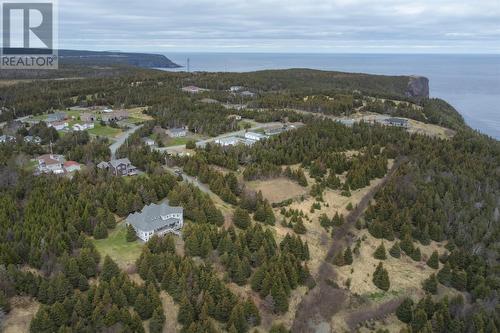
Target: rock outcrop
418 86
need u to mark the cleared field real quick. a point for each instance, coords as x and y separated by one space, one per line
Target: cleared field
107 131
117 247
406 276
277 190
19 318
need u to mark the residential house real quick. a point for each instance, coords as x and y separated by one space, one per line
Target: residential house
255 136
193 89
88 117
177 132
115 116
398 122
234 116
148 141
56 116
58 125
7 139
83 127
157 219
51 163
120 167
247 93
276 130
33 139
233 141
236 88
71 166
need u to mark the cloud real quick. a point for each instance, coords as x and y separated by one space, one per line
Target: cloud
279 25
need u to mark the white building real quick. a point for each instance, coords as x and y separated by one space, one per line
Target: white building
177 132
233 141
255 136
148 141
51 163
59 125
82 127
157 219
7 139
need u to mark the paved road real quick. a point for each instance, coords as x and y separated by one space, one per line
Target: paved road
121 140
225 135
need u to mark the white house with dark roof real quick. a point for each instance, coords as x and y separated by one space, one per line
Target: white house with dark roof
177 132
157 219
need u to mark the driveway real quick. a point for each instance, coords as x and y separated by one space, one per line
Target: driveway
121 140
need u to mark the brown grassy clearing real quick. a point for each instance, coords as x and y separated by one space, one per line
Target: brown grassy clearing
23 310
278 189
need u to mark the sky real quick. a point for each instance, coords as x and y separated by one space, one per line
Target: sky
281 26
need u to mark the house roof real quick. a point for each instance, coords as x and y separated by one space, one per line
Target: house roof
177 130
103 165
115 163
71 163
397 120
50 159
150 218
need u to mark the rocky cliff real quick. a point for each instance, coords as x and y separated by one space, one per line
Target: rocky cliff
418 86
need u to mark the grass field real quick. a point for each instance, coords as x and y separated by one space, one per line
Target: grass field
177 141
117 247
100 130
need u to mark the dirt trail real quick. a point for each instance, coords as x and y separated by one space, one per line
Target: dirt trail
322 302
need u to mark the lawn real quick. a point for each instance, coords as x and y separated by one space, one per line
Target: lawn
178 141
117 247
107 131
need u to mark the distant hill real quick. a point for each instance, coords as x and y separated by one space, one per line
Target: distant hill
77 63
146 60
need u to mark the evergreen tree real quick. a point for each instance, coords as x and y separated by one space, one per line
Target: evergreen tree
380 253
381 277
459 279
143 306
404 311
430 284
131 234
395 251
299 227
109 269
100 231
433 261
348 256
186 312
157 321
444 275
241 218
280 298
237 319
419 320
416 255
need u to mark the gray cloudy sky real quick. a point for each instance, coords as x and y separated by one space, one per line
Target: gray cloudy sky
387 26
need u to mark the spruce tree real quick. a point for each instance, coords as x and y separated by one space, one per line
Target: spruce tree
381 277
348 256
109 269
444 275
241 218
279 297
100 231
433 261
380 253
299 227
186 312
430 284
131 234
459 279
157 321
143 306
404 311
395 251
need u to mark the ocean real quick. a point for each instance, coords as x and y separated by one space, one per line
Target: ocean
471 83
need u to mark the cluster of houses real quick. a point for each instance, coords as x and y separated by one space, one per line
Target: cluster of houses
382 120
119 167
56 164
4 139
242 91
157 219
249 138
60 120
193 89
